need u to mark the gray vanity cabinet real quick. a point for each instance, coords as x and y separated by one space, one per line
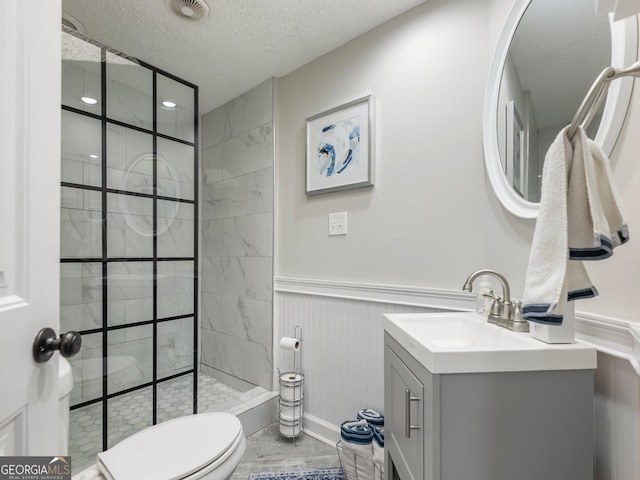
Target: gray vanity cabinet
529 425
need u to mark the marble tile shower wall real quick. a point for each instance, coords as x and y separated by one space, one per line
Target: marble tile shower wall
237 236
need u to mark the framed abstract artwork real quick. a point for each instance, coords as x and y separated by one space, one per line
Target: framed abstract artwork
340 148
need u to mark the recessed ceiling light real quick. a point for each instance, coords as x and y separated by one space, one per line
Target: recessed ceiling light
89 100
169 104
93 155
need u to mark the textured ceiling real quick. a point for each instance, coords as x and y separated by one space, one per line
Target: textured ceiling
242 43
559 49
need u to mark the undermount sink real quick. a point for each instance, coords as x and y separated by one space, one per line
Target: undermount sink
464 342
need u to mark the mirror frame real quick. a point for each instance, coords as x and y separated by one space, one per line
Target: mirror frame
624 47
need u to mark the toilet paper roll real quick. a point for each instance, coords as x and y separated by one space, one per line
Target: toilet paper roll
290 343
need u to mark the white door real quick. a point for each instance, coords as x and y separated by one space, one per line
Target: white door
29 222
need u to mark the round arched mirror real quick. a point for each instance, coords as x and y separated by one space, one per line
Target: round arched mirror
548 55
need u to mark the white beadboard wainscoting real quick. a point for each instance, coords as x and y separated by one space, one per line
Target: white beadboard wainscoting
617 394
342 359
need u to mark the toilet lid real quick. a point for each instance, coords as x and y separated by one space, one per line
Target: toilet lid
171 450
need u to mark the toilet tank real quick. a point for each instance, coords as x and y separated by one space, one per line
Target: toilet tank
65 385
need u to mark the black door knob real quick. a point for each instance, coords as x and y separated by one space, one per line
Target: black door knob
46 343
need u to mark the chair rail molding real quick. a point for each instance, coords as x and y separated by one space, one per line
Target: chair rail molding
379 293
614 336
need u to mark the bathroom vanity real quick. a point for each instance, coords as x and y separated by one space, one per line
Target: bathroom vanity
468 400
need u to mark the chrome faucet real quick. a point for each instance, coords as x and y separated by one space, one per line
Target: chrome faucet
502 311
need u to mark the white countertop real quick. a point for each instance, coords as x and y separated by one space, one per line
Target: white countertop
464 342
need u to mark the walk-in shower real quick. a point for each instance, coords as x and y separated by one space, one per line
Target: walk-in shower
128 241
129 253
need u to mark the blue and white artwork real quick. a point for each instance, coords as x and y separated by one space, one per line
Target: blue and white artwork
338 147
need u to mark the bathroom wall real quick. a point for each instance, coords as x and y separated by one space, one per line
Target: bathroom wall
427 70
237 237
431 218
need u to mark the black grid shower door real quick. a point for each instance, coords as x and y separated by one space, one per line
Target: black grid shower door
129 234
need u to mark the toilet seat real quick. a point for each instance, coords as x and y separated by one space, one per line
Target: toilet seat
174 450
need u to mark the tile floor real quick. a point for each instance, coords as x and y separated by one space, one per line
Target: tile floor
132 412
268 452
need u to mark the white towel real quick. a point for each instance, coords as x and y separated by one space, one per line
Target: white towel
373 418
589 236
580 218
357 438
378 452
609 198
545 287
358 462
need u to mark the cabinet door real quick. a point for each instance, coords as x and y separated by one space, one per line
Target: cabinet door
404 397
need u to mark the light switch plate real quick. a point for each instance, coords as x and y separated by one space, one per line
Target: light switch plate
338 223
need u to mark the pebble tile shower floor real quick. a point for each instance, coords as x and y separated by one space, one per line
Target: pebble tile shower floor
132 412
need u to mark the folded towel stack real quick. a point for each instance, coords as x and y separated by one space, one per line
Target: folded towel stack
373 418
363 444
580 218
357 432
357 437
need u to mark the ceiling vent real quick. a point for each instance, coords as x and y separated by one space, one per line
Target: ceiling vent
192 10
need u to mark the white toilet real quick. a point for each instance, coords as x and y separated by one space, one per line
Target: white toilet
206 446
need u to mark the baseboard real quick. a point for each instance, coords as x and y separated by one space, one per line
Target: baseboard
321 430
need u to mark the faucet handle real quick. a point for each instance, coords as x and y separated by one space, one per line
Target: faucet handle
517 310
517 323
496 307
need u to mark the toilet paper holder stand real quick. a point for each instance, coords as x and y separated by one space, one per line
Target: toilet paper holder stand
291 396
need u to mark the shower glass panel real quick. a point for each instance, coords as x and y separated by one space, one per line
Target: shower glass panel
129 91
175 171
81 73
129 413
81 223
130 230
81 149
130 165
175 289
175 112
128 243
174 398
